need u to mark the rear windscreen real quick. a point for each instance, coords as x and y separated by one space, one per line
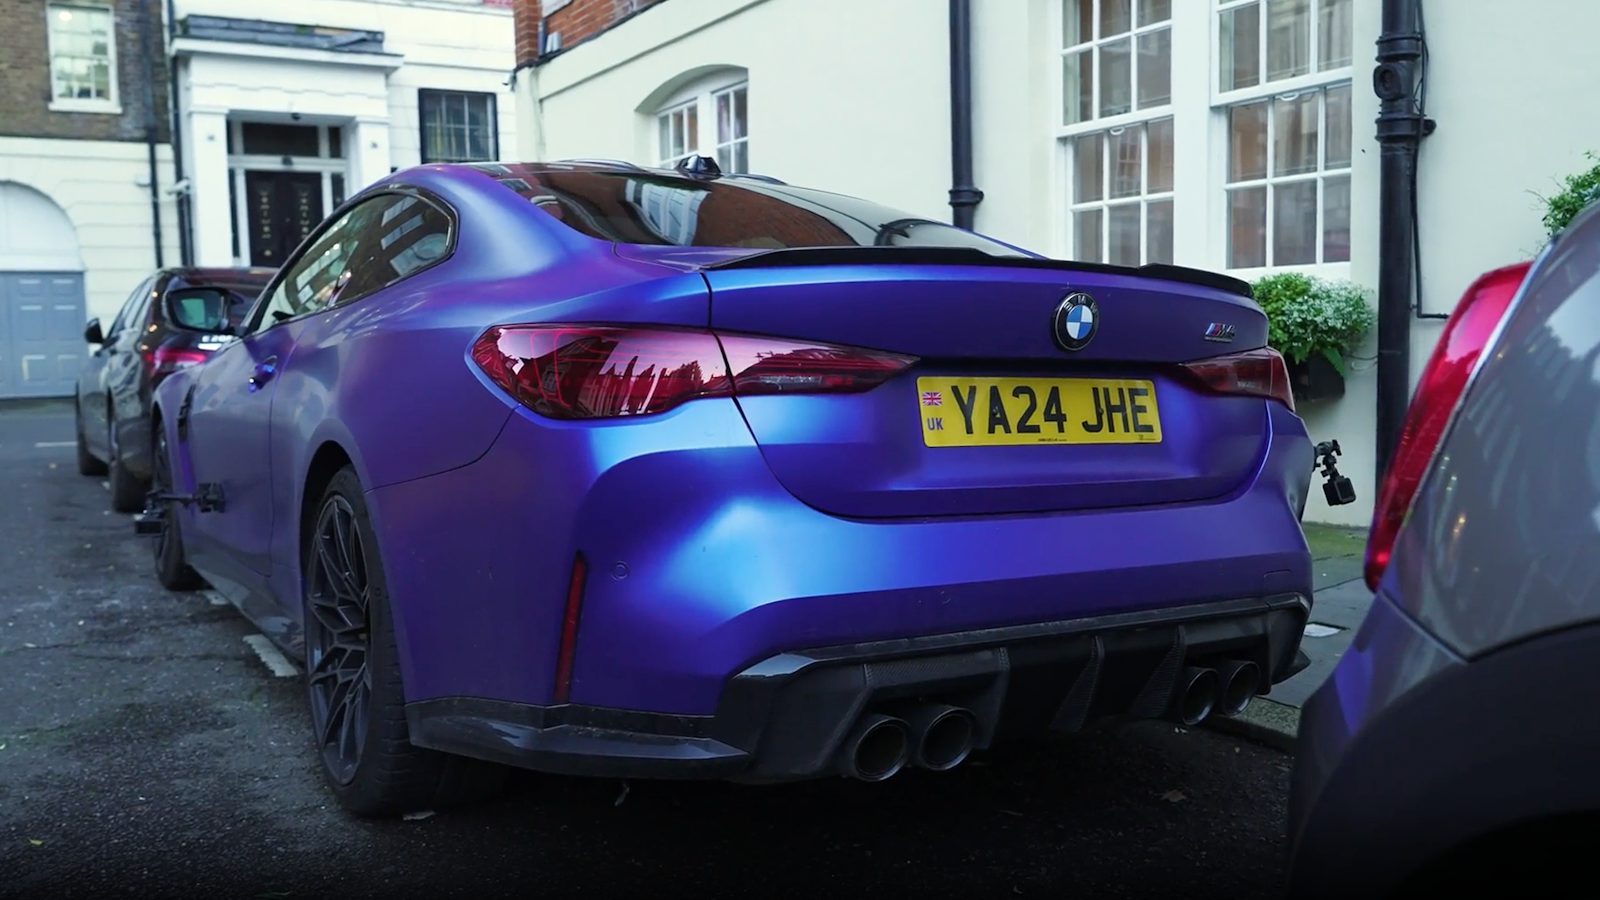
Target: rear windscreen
641 207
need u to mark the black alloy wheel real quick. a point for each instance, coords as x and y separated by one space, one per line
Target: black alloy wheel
338 639
353 678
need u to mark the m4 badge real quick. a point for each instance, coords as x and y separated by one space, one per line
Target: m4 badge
1219 332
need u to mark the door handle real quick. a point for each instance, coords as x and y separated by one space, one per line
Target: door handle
263 373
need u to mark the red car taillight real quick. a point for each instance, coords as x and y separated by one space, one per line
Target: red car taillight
1255 373
1439 390
598 371
163 361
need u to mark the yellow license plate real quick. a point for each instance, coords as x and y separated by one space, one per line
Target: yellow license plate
982 412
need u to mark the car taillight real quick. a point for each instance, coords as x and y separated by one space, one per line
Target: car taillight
163 361
762 366
1438 391
599 371
1255 373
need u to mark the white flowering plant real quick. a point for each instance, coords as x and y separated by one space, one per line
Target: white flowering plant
1309 316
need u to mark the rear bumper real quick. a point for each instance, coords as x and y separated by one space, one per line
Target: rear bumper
701 565
784 718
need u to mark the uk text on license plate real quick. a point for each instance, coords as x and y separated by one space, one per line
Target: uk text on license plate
976 412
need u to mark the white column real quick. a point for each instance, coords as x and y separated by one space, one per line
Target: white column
206 136
1197 223
369 153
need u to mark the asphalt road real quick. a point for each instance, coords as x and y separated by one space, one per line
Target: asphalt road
145 749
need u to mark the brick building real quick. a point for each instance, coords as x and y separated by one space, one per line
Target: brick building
1233 135
85 164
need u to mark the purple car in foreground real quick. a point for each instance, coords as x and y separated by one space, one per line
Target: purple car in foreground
593 469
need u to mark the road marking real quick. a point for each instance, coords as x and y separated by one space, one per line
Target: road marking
276 662
215 598
1315 629
106 485
44 445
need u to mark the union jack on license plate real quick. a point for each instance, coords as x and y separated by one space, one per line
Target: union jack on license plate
932 398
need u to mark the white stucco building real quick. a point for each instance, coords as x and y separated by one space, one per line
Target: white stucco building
286 109
282 109
1235 135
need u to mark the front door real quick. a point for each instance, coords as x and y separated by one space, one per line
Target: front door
283 208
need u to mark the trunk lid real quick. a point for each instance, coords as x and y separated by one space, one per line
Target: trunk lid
983 335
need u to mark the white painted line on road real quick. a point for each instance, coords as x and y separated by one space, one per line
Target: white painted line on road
1314 629
43 445
276 662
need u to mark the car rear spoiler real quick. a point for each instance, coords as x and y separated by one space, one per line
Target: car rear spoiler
969 256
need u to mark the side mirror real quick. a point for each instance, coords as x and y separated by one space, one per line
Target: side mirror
92 332
203 310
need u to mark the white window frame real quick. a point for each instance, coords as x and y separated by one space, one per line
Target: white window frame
1093 47
690 135
1272 181
1065 135
1224 101
732 145
1265 88
702 95
1104 204
109 106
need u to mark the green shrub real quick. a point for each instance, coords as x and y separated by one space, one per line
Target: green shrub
1307 315
1577 191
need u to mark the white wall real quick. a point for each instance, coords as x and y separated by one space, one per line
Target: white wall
862 109
103 188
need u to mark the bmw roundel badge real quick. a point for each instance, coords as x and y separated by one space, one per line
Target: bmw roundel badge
1076 321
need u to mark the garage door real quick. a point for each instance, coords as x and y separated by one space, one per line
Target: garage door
41 333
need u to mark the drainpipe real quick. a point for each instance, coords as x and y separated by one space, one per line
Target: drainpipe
1401 127
150 134
181 199
964 195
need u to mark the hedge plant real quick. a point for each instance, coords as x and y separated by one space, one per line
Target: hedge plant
1307 316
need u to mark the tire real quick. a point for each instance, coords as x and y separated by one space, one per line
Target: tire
172 561
88 463
127 490
357 700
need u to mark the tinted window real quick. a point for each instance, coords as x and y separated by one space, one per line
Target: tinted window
659 208
370 247
402 236
129 313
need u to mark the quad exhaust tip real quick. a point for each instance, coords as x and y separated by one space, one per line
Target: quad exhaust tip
1238 681
876 749
942 736
1197 694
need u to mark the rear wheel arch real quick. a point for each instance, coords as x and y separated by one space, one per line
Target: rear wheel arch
326 462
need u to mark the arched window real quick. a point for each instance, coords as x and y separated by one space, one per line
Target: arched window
705 113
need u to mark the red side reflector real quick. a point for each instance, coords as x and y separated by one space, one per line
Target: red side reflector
1255 373
569 629
1438 392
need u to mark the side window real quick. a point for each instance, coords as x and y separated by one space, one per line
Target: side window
312 278
371 247
406 235
128 313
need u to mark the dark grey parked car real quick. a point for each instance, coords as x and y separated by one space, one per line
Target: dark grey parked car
1457 743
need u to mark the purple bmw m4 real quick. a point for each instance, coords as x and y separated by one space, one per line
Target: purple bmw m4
593 469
